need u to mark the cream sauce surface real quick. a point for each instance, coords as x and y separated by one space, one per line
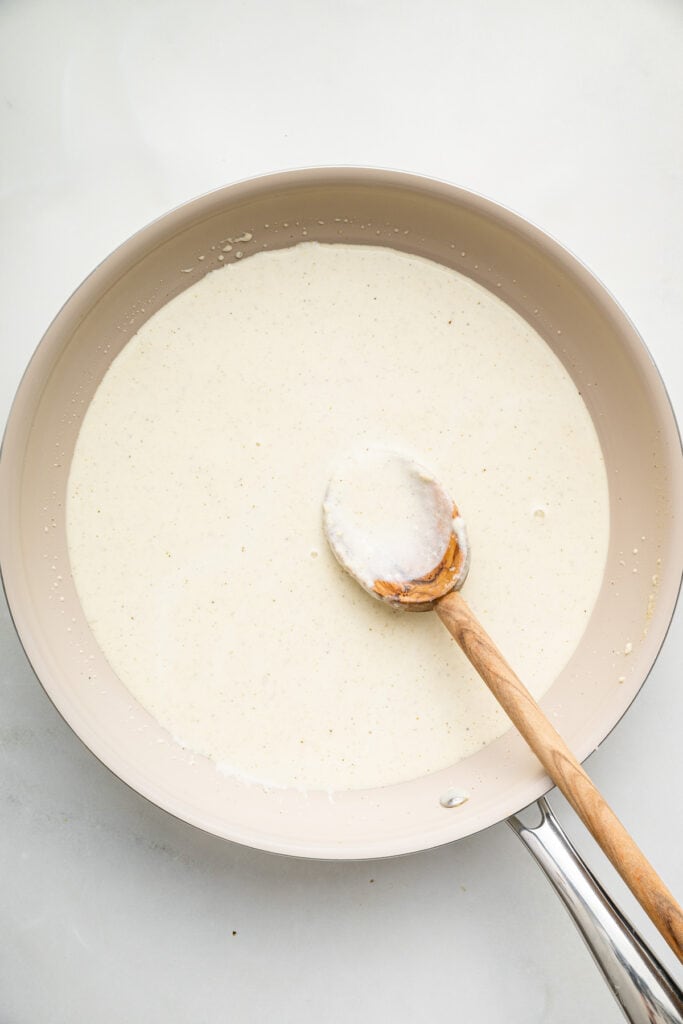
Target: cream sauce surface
195 528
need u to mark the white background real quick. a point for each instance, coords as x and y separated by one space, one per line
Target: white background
113 112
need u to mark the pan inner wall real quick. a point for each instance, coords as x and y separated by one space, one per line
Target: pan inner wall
598 347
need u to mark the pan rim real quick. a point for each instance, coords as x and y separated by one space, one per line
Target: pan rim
349 174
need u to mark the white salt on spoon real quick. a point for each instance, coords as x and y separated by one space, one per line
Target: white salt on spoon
394 529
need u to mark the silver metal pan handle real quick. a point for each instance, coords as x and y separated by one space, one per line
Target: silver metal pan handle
645 991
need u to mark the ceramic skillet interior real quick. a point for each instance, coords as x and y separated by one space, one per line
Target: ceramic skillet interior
577 318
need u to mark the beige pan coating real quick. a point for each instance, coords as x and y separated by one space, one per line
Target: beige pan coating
579 320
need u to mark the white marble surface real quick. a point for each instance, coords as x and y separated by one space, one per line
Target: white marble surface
113 112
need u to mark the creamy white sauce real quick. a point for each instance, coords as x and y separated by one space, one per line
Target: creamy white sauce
387 518
194 521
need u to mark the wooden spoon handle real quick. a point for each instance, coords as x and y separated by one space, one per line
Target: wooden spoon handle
563 768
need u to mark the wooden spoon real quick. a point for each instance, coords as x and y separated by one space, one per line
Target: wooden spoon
437 588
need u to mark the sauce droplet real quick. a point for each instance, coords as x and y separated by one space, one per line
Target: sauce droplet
453 798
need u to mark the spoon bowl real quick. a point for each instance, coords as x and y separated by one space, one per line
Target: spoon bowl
395 529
